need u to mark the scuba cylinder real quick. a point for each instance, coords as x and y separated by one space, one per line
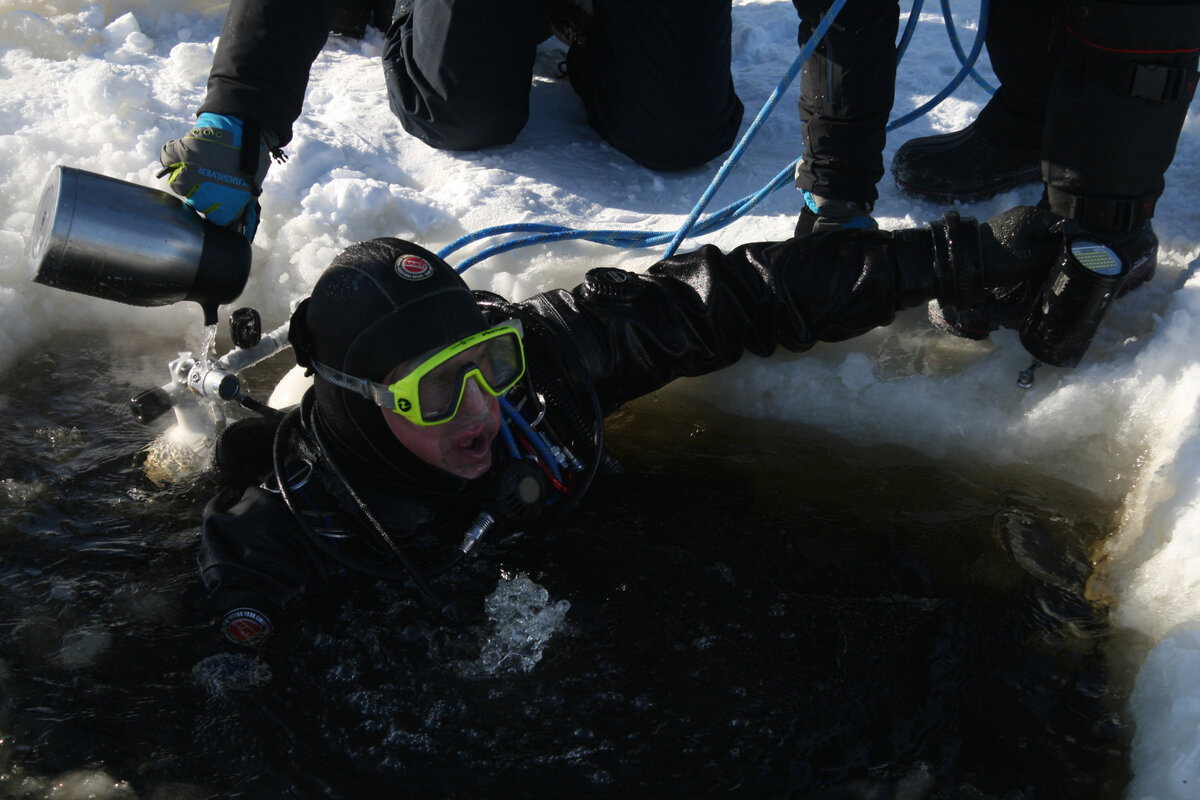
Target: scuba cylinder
116 240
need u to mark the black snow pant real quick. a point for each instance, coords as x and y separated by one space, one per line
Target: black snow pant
654 75
1102 87
1024 44
846 93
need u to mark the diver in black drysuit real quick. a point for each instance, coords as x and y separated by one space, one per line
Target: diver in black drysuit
356 501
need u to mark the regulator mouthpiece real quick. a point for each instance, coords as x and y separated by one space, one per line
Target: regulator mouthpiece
1073 301
116 240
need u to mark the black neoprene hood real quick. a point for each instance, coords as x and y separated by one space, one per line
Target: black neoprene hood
378 304
383 302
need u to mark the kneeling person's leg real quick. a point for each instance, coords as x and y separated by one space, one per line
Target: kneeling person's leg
459 71
654 76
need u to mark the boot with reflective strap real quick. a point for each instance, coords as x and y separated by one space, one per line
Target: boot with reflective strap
827 214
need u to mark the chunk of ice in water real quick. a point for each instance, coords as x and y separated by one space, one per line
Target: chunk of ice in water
522 621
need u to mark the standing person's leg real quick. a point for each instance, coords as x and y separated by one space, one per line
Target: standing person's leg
1001 148
654 76
459 71
846 91
1117 105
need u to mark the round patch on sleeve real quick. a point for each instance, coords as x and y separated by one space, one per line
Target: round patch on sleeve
245 625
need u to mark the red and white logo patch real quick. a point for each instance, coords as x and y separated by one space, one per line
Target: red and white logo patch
245 625
413 268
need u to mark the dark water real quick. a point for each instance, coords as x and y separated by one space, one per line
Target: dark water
754 611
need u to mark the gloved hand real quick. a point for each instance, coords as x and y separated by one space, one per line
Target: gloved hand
1019 244
991 273
214 174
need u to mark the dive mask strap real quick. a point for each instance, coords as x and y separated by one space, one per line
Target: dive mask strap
376 392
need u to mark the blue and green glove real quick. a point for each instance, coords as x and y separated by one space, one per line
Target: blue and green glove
218 177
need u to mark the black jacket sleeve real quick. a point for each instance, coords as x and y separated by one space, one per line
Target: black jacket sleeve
260 70
699 312
254 559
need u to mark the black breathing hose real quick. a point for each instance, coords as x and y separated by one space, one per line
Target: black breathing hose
285 491
568 406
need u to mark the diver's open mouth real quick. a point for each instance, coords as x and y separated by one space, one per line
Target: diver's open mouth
478 444
475 441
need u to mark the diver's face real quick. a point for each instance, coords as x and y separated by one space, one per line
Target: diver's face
462 445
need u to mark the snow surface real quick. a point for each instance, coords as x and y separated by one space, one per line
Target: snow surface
101 86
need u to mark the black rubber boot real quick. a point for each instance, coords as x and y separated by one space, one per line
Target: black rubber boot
826 214
1002 148
965 165
1117 104
1118 100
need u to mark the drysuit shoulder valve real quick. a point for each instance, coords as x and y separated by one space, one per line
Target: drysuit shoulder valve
610 285
121 241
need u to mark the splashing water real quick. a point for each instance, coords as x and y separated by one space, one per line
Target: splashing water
208 344
184 450
523 619
175 456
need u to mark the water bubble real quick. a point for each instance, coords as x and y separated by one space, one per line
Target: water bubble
82 647
225 671
601 777
88 785
523 619
62 442
19 493
176 455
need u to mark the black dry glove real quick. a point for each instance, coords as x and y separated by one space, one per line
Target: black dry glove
1020 244
989 274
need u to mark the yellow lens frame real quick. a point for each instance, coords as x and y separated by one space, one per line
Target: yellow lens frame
403 396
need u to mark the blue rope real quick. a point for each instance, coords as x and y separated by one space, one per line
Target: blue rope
910 27
768 107
968 62
967 68
545 233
